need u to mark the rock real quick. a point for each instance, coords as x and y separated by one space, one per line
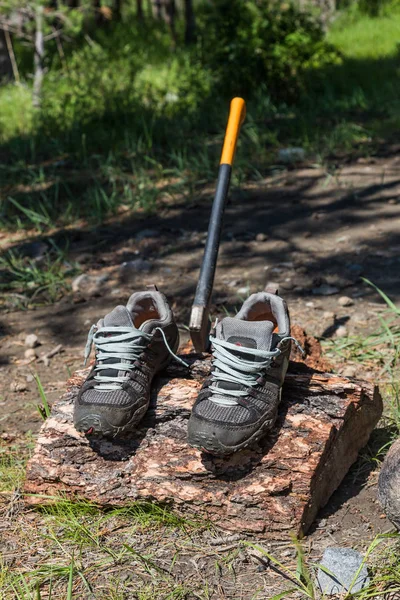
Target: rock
30 353
234 283
261 237
392 201
129 270
349 371
325 290
341 332
329 315
32 341
291 155
115 292
244 291
355 268
33 250
345 301
18 386
147 233
89 285
389 484
288 284
343 564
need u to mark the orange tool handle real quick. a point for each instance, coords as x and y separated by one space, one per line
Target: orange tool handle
237 114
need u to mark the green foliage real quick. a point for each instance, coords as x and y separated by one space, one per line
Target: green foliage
269 44
44 280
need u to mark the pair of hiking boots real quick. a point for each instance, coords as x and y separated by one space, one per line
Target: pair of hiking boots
239 399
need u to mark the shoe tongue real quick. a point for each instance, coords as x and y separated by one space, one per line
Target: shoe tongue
250 334
119 317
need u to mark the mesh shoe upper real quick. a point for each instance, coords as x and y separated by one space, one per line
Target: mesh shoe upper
132 343
261 326
257 335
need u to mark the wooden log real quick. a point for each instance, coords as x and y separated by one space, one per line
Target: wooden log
277 486
389 484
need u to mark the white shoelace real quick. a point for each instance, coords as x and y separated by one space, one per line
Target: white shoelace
234 368
119 343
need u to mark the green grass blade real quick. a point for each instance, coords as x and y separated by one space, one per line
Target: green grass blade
70 580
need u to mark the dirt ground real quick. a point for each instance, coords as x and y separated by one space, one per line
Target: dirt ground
315 232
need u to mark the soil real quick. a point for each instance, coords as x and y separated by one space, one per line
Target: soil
314 232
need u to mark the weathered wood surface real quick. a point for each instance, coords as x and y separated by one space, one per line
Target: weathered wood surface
278 486
389 484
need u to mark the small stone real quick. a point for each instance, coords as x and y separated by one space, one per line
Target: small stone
18 386
355 268
29 378
349 371
234 283
345 301
307 234
89 285
261 237
129 270
341 332
243 291
30 353
344 564
115 292
287 284
291 155
34 250
147 233
310 304
392 201
32 340
325 290
329 315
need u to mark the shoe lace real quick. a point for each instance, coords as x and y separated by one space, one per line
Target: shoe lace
232 367
122 344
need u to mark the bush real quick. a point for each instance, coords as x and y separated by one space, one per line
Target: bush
271 44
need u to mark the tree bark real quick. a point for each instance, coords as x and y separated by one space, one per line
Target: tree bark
277 486
139 10
38 58
6 69
190 23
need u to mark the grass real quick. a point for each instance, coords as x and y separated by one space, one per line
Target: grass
379 351
383 550
32 281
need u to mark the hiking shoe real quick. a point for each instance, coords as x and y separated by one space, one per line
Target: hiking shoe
239 400
132 344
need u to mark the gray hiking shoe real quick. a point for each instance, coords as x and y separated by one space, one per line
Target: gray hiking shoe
132 344
239 400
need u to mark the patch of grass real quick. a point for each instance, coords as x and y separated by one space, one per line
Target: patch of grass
13 458
380 350
42 280
380 556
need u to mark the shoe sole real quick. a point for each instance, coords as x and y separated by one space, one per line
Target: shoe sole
97 425
212 445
